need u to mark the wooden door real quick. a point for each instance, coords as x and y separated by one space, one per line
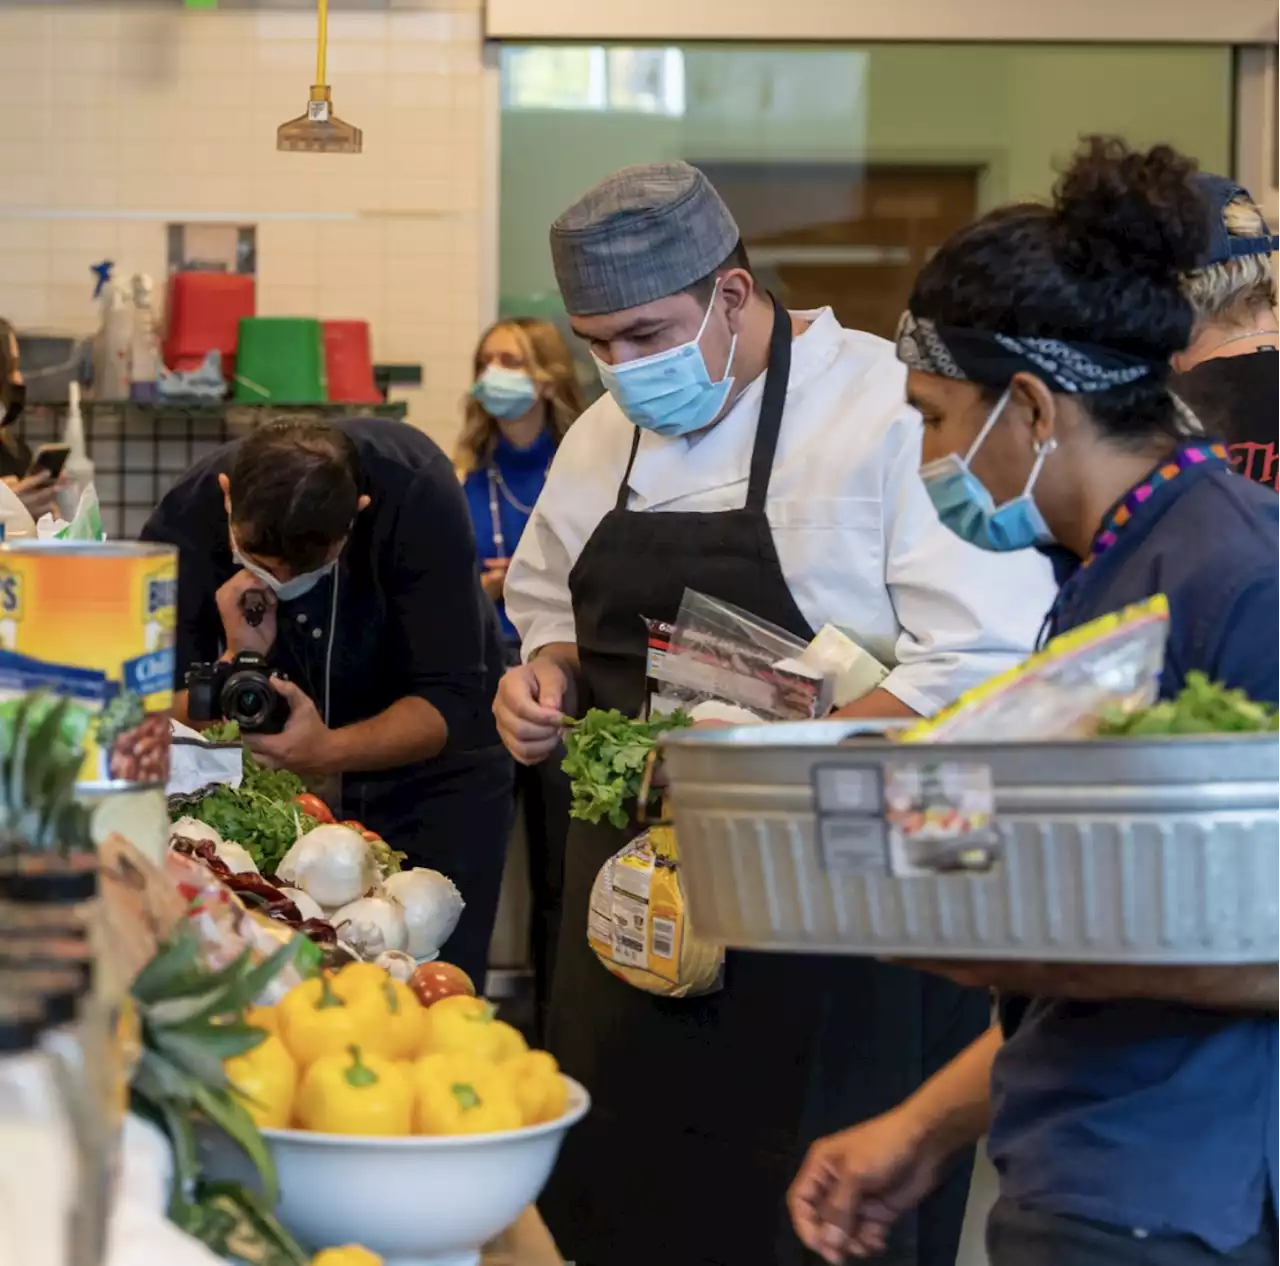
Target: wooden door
846 236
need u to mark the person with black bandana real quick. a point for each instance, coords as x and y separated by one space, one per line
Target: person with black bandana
1228 373
1130 1109
344 554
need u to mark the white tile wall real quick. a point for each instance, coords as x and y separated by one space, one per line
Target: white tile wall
126 117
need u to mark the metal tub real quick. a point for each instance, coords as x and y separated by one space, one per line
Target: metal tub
1124 850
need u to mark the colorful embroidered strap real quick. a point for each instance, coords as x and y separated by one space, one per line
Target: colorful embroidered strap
1184 458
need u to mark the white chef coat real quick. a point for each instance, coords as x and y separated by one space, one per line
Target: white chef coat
860 543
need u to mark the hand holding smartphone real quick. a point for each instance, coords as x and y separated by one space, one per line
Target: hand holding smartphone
49 459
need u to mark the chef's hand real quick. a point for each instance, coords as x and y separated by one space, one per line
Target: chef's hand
853 1186
494 577
38 492
238 634
529 709
304 746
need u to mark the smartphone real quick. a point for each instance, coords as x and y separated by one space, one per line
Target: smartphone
50 459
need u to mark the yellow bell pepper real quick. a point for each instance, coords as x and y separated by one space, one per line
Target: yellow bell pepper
463 1094
265 1079
405 1019
265 1018
355 1093
360 976
467 1026
320 1017
541 1092
348 1255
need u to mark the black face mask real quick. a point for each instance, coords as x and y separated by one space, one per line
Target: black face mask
16 402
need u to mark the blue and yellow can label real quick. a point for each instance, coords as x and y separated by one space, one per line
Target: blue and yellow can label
95 622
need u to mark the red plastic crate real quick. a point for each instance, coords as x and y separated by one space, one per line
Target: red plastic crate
349 363
204 312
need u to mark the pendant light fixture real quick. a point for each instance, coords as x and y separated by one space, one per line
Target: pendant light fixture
320 131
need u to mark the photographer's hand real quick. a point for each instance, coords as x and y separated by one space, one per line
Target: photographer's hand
305 745
238 633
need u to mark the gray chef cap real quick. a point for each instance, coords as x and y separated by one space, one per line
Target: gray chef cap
642 234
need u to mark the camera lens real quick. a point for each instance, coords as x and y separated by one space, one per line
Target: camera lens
246 699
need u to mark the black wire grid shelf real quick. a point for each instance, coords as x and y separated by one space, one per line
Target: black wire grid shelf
139 450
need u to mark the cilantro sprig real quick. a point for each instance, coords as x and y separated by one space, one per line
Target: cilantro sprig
605 756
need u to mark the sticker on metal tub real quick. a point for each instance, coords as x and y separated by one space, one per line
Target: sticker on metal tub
849 803
856 789
941 818
853 846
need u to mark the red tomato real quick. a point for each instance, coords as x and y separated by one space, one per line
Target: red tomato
362 831
313 807
433 981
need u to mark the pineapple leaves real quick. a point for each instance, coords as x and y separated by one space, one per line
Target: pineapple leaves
175 962
192 1056
43 751
232 1117
176 989
256 979
235 1223
192 1020
160 1083
186 1160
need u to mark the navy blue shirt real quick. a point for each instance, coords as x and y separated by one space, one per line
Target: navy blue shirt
1140 1114
509 488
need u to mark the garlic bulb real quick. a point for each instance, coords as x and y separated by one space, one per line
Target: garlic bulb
397 964
332 864
432 908
372 925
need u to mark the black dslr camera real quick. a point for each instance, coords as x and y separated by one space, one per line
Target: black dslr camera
238 691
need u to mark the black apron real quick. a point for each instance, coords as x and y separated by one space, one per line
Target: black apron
704 1107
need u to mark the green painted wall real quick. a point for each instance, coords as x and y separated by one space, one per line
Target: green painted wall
1015 110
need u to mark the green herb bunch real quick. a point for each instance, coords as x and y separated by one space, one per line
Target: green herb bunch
605 757
1201 707
259 814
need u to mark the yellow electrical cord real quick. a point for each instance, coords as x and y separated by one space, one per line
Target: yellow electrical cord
322 41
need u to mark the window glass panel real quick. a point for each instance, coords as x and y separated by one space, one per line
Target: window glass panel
845 166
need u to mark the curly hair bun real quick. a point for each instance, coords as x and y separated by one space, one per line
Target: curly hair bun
1121 210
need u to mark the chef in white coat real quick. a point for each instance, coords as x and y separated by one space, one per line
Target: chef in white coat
768 459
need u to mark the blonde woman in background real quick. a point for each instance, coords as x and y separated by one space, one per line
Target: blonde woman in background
524 396
1228 373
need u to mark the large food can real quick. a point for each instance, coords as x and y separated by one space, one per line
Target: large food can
94 623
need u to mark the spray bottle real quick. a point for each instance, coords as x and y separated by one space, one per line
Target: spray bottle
78 470
115 337
144 351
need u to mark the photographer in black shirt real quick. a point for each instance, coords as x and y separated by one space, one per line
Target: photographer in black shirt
343 553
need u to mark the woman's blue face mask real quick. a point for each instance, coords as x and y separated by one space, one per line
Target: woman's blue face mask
968 509
671 392
505 393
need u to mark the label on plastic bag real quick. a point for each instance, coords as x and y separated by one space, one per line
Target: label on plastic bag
632 879
636 922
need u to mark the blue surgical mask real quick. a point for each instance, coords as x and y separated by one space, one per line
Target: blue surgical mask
968 509
505 393
671 392
284 590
